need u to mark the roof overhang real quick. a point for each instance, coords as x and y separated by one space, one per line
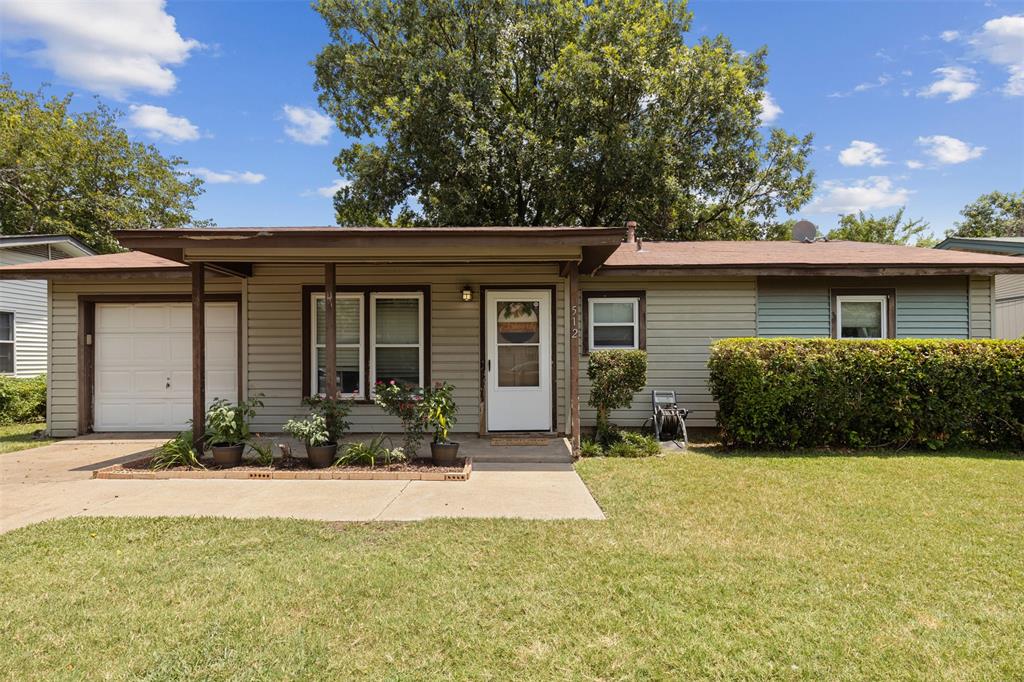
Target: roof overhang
803 270
65 243
1004 247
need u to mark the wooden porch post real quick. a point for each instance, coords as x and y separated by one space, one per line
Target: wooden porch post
198 353
330 330
574 355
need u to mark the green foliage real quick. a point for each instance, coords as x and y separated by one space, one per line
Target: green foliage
405 402
621 444
892 229
312 431
77 173
615 377
264 453
370 454
641 445
439 410
589 448
228 424
179 451
785 393
334 411
997 214
562 112
22 400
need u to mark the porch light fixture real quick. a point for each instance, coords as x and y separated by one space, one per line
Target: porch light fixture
467 293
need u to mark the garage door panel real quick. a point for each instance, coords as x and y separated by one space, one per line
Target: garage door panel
179 350
181 317
149 382
112 381
113 317
115 347
150 317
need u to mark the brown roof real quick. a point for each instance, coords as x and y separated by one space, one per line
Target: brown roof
771 255
130 261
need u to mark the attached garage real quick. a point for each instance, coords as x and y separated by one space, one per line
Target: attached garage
143 363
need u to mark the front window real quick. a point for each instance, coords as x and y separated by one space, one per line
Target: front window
614 323
861 317
6 343
349 354
396 331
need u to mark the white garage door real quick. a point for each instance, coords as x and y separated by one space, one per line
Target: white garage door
144 363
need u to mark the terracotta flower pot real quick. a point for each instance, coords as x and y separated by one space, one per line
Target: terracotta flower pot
228 455
321 456
444 454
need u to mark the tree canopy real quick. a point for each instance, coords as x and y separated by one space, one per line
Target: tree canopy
892 229
558 112
79 174
997 214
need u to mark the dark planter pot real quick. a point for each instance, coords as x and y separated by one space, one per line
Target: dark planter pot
321 456
228 455
444 454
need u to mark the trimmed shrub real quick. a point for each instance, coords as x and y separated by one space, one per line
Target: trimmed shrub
22 400
623 444
615 377
784 393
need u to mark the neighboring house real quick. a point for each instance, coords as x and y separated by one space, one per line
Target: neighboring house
1009 289
507 315
23 302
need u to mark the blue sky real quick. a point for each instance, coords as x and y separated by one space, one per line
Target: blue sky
912 103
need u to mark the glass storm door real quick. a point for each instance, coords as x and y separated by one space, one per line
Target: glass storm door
518 360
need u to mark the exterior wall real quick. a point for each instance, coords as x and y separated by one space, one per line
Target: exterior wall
982 307
683 318
1009 295
926 307
27 300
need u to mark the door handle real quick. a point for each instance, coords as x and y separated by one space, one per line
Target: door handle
488 364
168 383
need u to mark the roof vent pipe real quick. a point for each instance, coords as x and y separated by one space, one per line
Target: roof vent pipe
639 244
630 231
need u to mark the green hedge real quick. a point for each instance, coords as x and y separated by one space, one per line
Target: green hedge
783 393
22 400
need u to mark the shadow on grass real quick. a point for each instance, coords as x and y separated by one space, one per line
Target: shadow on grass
717 449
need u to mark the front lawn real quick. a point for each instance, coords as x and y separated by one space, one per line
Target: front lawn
708 566
21 437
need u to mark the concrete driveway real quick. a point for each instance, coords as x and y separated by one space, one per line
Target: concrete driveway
55 481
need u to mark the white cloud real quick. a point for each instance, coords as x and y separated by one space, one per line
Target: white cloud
861 153
913 164
948 150
955 82
876 192
229 176
770 110
329 191
949 36
308 126
108 46
1001 42
161 124
879 82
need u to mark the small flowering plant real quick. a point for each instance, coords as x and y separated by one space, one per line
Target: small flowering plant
404 401
333 410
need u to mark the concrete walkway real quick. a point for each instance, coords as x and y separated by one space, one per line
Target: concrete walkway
55 481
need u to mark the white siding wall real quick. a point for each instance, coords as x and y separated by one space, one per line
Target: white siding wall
27 300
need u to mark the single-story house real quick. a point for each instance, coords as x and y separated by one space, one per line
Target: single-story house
1009 289
23 319
143 340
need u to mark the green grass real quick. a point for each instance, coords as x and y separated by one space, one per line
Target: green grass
15 437
794 567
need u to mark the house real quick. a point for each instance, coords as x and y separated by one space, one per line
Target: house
143 340
1008 290
23 303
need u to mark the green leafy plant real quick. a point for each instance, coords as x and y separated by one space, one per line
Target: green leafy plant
640 444
370 454
22 400
405 402
589 448
622 444
439 410
615 377
264 453
228 423
785 393
312 431
179 451
334 411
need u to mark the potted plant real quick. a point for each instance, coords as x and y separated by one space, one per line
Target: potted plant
439 410
312 431
227 429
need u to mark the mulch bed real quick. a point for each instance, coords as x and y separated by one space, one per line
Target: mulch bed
300 464
292 468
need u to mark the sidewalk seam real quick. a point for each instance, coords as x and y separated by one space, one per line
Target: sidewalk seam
391 501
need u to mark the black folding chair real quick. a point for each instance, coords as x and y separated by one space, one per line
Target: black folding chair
668 418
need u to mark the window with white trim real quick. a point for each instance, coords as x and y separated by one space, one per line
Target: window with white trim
349 356
862 317
6 343
614 323
396 333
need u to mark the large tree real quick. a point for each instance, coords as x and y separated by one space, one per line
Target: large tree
998 214
558 112
79 174
891 229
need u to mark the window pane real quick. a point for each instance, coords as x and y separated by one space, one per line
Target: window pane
519 365
347 360
347 316
397 320
6 326
613 312
7 358
400 364
612 337
861 319
518 322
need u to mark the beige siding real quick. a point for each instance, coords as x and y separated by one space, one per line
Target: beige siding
1009 286
981 305
683 318
1009 294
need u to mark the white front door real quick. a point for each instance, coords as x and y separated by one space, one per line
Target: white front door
518 341
144 363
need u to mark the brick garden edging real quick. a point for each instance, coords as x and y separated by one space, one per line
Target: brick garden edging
117 472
